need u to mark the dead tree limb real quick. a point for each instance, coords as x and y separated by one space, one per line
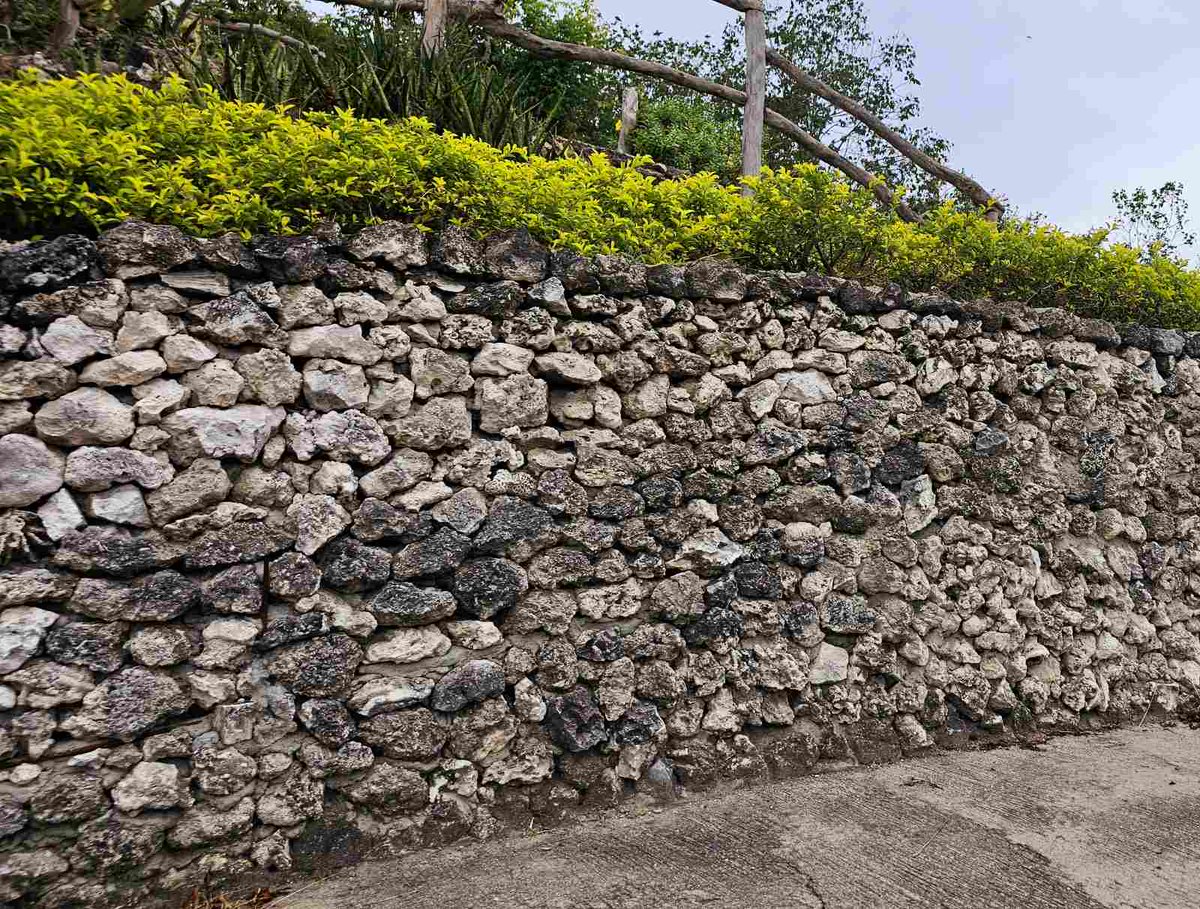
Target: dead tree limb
756 94
486 16
806 81
960 181
251 28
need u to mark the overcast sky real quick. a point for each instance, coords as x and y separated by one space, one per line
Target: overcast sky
1054 103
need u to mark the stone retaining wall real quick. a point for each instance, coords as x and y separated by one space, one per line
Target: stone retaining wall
321 545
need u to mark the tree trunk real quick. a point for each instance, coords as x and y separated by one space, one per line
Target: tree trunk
485 16
67 27
629 115
433 41
756 95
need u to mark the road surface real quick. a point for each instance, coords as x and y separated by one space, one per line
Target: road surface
1089 822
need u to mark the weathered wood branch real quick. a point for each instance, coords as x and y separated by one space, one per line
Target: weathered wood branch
251 28
806 81
756 94
927 163
487 17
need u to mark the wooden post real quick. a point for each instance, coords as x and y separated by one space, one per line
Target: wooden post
67 27
629 115
756 93
433 40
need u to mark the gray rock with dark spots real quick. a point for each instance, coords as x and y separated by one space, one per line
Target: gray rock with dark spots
470 683
574 722
400 603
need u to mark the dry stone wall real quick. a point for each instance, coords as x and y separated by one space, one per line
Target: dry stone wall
331 544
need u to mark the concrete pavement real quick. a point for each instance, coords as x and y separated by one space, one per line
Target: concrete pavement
1089 822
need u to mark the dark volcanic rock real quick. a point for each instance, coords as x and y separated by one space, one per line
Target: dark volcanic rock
159 597
246 541
574 721
114 551
510 520
469 683
321 668
405 604
484 587
49 264
349 565
289 629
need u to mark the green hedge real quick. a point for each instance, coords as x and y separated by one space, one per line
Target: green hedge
88 153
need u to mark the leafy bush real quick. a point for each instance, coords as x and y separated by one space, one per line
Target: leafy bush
87 153
684 133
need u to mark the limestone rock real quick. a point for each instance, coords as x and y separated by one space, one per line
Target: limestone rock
202 484
70 340
215 384
407 645
92 469
442 422
157 398
29 470
270 377
143 330
208 432
334 342
149 785
518 400
87 416
34 379
318 520
119 505
132 368
333 385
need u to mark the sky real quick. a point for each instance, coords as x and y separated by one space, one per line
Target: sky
1052 103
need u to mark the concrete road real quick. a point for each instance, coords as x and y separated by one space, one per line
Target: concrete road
1109 820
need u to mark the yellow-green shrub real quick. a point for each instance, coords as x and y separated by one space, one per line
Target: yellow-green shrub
84 154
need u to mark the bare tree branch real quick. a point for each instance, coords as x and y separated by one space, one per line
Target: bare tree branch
251 28
964 184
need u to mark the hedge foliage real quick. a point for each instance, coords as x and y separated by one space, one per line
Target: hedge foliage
90 152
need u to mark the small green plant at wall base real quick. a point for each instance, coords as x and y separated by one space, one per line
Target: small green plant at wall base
84 154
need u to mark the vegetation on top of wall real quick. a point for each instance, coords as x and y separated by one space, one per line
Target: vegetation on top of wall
87 153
